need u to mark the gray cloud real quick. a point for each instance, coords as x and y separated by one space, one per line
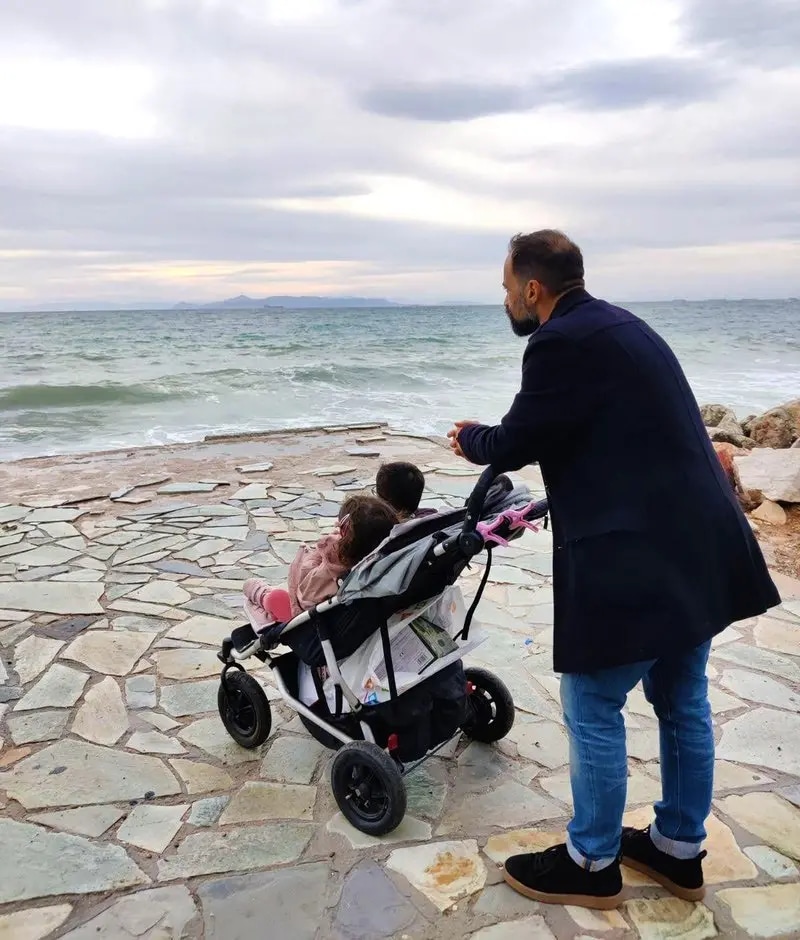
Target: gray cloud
764 33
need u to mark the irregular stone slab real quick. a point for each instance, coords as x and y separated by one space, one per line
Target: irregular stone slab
642 788
179 567
506 806
206 812
480 764
151 827
292 759
159 721
153 742
161 592
753 658
202 629
47 556
760 688
47 864
200 777
103 717
777 866
291 901
69 629
768 817
780 636
178 488
110 652
252 491
140 624
371 906
33 655
39 726
763 737
190 698
53 514
426 790
599 921
502 902
409 830
671 917
206 853
500 847
772 911
210 735
86 821
140 691
52 597
541 741
33 924
213 607
72 773
729 776
263 467
530 928
60 687
444 872
257 801
157 914
773 473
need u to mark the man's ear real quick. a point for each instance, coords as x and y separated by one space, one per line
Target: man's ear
533 291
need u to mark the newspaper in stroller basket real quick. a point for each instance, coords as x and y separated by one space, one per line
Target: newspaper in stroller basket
381 739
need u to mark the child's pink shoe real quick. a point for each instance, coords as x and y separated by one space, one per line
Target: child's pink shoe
279 605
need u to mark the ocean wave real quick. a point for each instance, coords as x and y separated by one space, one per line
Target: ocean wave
27 397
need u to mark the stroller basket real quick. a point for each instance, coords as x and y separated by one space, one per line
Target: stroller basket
378 741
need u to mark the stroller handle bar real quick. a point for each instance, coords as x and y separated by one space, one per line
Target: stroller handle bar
469 539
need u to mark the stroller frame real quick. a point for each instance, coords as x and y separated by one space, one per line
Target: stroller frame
366 778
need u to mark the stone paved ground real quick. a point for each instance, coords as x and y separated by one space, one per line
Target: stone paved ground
126 811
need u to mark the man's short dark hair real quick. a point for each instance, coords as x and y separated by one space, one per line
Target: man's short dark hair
401 485
549 257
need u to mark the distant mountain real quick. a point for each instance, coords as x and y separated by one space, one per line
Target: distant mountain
243 302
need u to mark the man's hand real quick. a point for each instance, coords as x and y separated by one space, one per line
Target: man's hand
453 436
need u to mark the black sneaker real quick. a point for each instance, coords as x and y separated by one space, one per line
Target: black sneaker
682 876
553 878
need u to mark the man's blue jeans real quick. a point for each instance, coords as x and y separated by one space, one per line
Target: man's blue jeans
677 688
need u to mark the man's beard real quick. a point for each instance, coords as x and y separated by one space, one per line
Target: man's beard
523 327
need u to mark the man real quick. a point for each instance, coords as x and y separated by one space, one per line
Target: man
652 556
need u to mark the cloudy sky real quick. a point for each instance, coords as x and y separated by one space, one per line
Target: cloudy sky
194 149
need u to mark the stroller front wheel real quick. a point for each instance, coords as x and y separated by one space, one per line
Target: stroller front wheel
368 788
490 707
244 709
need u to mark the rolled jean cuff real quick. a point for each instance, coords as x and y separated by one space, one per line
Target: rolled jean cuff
585 863
673 847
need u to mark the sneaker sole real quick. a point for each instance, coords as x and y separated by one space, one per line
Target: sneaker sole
608 903
685 894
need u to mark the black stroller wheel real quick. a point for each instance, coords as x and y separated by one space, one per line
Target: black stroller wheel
368 788
244 709
490 707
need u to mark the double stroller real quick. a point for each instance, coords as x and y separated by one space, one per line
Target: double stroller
383 735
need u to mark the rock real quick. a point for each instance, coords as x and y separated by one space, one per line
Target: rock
543 742
501 902
777 428
157 914
52 597
140 691
110 652
769 512
68 629
761 689
767 816
151 828
773 473
730 432
670 917
60 687
103 717
762 737
292 759
409 830
714 415
505 806
33 655
371 905
778 635
772 911
206 853
190 698
725 454
206 812
210 735
202 629
291 902
153 742
599 921
256 467
161 592
258 801
46 864
200 777
46 556
733 777
35 923
86 821
159 721
426 790
38 726
529 928
179 488
777 866
72 773
444 872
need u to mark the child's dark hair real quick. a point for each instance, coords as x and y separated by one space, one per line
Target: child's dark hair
369 521
401 485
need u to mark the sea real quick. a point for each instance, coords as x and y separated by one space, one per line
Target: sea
83 381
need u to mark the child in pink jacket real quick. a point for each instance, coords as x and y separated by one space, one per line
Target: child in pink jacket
364 522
